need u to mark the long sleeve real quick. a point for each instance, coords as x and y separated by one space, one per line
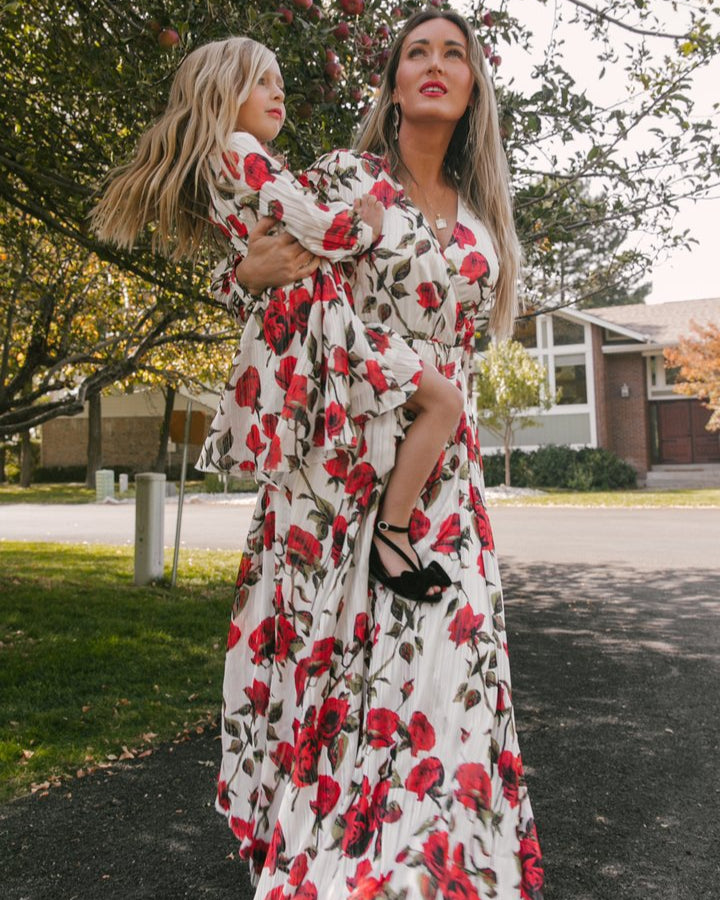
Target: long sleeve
252 178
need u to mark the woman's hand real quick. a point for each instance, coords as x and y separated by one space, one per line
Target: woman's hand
371 212
273 260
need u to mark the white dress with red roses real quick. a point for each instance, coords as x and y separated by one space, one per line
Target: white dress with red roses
308 373
369 742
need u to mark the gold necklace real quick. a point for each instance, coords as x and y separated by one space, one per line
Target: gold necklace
440 221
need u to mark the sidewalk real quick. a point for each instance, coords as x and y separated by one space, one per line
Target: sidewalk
616 684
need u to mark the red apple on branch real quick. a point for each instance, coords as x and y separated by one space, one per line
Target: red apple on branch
168 37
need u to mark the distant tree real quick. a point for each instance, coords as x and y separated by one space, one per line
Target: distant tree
509 382
698 359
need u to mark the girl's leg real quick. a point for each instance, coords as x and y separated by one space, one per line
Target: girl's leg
438 405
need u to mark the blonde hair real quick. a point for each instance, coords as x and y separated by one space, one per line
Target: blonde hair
167 180
475 162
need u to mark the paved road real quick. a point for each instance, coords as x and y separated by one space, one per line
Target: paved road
644 538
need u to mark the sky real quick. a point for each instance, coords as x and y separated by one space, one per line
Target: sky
684 274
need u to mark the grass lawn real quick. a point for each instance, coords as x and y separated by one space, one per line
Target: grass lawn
708 497
92 667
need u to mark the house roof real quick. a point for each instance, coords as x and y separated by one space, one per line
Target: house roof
658 323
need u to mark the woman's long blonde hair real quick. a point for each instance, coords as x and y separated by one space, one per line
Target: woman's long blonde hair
475 162
167 180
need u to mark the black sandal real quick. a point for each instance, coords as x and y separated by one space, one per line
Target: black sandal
412 585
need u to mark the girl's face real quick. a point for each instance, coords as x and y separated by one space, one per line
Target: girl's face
433 81
263 113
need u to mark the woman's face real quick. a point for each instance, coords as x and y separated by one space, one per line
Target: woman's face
263 113
433 82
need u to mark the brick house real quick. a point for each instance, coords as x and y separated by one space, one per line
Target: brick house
616 391
131 426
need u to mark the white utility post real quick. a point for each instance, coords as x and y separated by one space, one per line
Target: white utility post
149 527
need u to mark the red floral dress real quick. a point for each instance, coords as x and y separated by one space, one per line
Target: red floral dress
369 743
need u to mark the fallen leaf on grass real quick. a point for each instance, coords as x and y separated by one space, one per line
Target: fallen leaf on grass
127 754
149 736
86 708
28 754
144 754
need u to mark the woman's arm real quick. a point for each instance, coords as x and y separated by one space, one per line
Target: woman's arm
332 230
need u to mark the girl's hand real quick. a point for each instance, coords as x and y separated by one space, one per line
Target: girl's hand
371 211
273 260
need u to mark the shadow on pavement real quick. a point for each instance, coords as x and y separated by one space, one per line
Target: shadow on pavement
616 690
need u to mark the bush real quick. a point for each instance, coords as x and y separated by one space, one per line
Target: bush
587 469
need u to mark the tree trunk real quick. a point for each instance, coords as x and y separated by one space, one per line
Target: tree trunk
94 444
162 456
3 457
25 460
507 445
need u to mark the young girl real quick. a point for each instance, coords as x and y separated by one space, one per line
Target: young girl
308 375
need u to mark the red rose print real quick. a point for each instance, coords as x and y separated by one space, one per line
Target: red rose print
328 794
358 827
276 848
258 695
379 340
276 324
234 635
307 891
321 655
457 886
501 705
448 539
463 237
296 397
339 530
337 466
465 625
331 719
335 418
285 634
384 192
241 829
422 734
257 171
307 751
262 641
243 570
300 304
274 454
340 235
223 795
428 295
298 870
282 757
361 476
248 388
375 376
427 774
362 628
254 442
269 530
230 161
511 771
380 726
285 371
419 525
475 788
435 854
474 267
301 675
238 227
269 424
303 548
532 881
340 361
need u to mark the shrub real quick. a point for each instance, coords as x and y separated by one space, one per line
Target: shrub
587 469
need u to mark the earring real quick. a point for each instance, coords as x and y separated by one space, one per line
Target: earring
396 121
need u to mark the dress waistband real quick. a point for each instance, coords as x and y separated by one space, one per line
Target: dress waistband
447 359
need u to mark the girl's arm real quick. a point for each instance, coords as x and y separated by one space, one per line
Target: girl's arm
333 230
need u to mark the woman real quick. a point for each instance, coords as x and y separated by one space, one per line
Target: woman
369 743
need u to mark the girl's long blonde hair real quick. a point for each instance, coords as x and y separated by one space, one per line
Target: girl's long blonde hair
475 162
167 181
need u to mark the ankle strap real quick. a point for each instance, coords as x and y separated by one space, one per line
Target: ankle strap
385 526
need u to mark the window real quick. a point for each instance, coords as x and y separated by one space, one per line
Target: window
672 374
571 379
567 332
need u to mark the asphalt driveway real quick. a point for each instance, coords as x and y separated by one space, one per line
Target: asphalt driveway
616 669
